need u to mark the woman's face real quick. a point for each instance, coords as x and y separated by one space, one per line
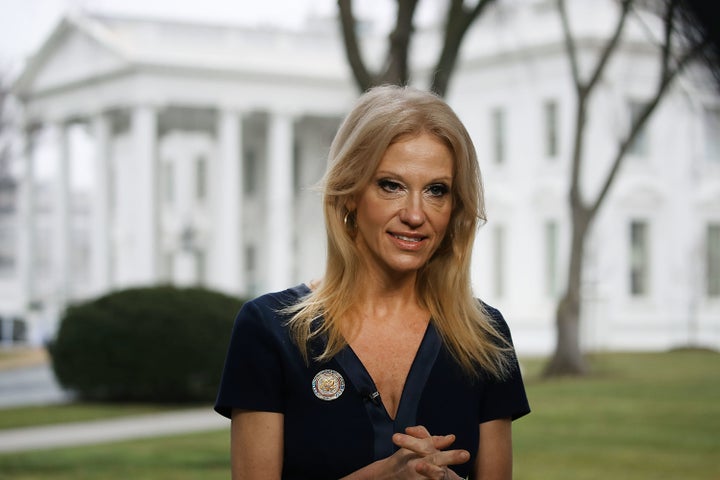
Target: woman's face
403 213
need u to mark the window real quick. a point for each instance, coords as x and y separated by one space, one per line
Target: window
167 265
639 258
168 182
200 266
639 146
7 248
250 166
201 177
711 123
297 166
43 250
499 261
550 127
551 258
79 253
713 260
498 133
251 268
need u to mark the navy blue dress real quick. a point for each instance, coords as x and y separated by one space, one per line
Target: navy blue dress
327 437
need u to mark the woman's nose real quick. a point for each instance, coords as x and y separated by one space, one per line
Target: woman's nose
412 214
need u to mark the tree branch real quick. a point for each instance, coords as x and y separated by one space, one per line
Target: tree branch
584 91
610 47
570 46
668 19
580 109
396 69
363 78
457 24
667 75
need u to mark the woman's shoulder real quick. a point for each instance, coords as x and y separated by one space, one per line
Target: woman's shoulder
280 299
492 312
269 308
496 318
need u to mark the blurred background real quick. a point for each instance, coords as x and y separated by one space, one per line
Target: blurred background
178 143
146 143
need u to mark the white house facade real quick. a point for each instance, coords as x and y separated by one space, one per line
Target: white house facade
205 143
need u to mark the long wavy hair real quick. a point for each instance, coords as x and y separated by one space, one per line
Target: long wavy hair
379 117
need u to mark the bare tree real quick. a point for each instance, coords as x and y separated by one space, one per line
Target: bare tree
674 53
395 69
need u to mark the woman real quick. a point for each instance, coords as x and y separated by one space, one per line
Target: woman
387 367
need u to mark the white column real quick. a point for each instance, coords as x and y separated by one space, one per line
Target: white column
100 247
227 251
279 191
145 235
63 218
26 234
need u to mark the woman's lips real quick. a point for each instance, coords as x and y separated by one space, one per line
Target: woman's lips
408 241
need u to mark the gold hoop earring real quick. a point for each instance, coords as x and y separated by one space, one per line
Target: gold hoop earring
349 221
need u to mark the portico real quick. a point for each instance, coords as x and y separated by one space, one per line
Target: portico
199 174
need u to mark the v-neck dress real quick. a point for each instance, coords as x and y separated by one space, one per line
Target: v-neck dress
330 434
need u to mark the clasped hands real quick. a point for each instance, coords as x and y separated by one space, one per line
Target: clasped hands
423 456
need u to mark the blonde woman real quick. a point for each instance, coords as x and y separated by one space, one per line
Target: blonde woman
388 367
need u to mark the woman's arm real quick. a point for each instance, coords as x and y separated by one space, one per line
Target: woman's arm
256 445
256 449
494 458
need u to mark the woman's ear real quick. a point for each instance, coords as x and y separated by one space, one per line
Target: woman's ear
350 204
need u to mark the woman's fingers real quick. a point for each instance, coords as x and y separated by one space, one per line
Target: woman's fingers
421 446
431 471
431 449
419 440
448 457
431 458
424 446
435 466
418 431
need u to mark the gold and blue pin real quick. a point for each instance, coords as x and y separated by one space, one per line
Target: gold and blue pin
328 385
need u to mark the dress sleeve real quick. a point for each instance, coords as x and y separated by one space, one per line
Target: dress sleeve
252 378
506 397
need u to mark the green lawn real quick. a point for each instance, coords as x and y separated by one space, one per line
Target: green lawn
76 412
203 456
638 416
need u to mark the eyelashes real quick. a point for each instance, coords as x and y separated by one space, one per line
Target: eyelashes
389 186
438 190
434 190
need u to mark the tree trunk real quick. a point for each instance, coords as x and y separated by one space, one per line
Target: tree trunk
568 358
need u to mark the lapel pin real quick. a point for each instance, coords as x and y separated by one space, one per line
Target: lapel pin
328 385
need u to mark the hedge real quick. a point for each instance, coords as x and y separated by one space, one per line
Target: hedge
157 344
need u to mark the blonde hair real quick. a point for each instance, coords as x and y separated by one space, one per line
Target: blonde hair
380 117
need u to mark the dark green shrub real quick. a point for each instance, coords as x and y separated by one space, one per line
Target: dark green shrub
155 344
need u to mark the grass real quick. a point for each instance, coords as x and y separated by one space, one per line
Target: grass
74 412
638 416
202 456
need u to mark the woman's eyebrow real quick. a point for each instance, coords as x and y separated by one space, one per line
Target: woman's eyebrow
381 173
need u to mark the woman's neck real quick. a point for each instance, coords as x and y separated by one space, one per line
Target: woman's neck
385 301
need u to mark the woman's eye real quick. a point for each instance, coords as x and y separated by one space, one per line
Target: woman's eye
389 186
438 190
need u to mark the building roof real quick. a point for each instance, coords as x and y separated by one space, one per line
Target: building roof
115 44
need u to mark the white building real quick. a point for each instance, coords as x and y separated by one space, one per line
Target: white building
206 141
